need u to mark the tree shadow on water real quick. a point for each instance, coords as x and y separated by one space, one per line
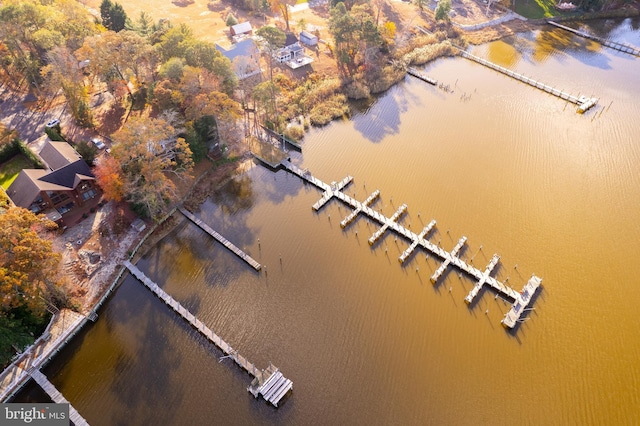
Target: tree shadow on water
383 118
146 377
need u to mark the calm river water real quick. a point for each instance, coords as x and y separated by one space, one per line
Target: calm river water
367 341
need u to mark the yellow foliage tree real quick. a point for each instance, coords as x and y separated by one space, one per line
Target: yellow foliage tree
28 265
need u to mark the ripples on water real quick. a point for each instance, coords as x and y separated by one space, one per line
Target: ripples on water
367 341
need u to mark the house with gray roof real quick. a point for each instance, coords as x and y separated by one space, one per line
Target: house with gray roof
244 57
66 184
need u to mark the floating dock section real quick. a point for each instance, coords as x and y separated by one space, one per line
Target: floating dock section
622 47
449 259
583 102
242 255
269 383
405 254
57 397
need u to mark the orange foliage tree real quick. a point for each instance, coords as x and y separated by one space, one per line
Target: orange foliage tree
109 176
28 264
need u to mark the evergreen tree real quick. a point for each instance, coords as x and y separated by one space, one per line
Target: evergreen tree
113 15
118 17
105 13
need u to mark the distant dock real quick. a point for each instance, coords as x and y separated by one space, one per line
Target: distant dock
269 383
520 300
228 244
622 47
584 103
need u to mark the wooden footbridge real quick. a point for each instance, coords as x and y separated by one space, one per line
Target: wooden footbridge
270 383
583 102
228 244
612 44
520 300
57 397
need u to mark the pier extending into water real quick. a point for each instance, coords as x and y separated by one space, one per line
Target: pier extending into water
57 397
269 383
622 47
583 102
421 76
228 244
520 300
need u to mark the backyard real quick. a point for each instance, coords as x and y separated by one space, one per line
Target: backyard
10 170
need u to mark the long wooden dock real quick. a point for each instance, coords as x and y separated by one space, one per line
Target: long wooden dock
57 397
482 277
612 44
421 76
228 244
261 377
583 102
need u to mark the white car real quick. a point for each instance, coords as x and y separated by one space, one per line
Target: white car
98 143
53 123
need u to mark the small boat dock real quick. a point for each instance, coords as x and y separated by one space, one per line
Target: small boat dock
622 47
449 259
228 244
269 383
584 103
57 397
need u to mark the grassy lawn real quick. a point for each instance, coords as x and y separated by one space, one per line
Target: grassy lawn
536 9
10 170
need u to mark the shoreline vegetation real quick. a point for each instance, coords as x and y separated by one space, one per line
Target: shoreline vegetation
188 88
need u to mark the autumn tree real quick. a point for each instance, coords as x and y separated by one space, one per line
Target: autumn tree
64 72
442 10
29 29
282 6
356 36
148 152
273 39
123 60
109 177
179 42
28 265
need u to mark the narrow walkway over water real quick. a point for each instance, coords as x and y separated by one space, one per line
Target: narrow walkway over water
228 244
622 47
57 397
583 102
269 383
482 277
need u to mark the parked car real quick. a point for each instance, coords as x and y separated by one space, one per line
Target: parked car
98 143
53 123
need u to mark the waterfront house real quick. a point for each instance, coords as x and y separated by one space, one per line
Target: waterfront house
244 57
66 183
292 54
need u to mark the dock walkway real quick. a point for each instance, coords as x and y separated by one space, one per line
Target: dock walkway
482 278
57 397
228 244
622 47
261 377
421 76
583 102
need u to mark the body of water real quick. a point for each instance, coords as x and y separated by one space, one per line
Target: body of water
368 341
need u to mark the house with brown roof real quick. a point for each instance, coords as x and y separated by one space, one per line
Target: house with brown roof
65 185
